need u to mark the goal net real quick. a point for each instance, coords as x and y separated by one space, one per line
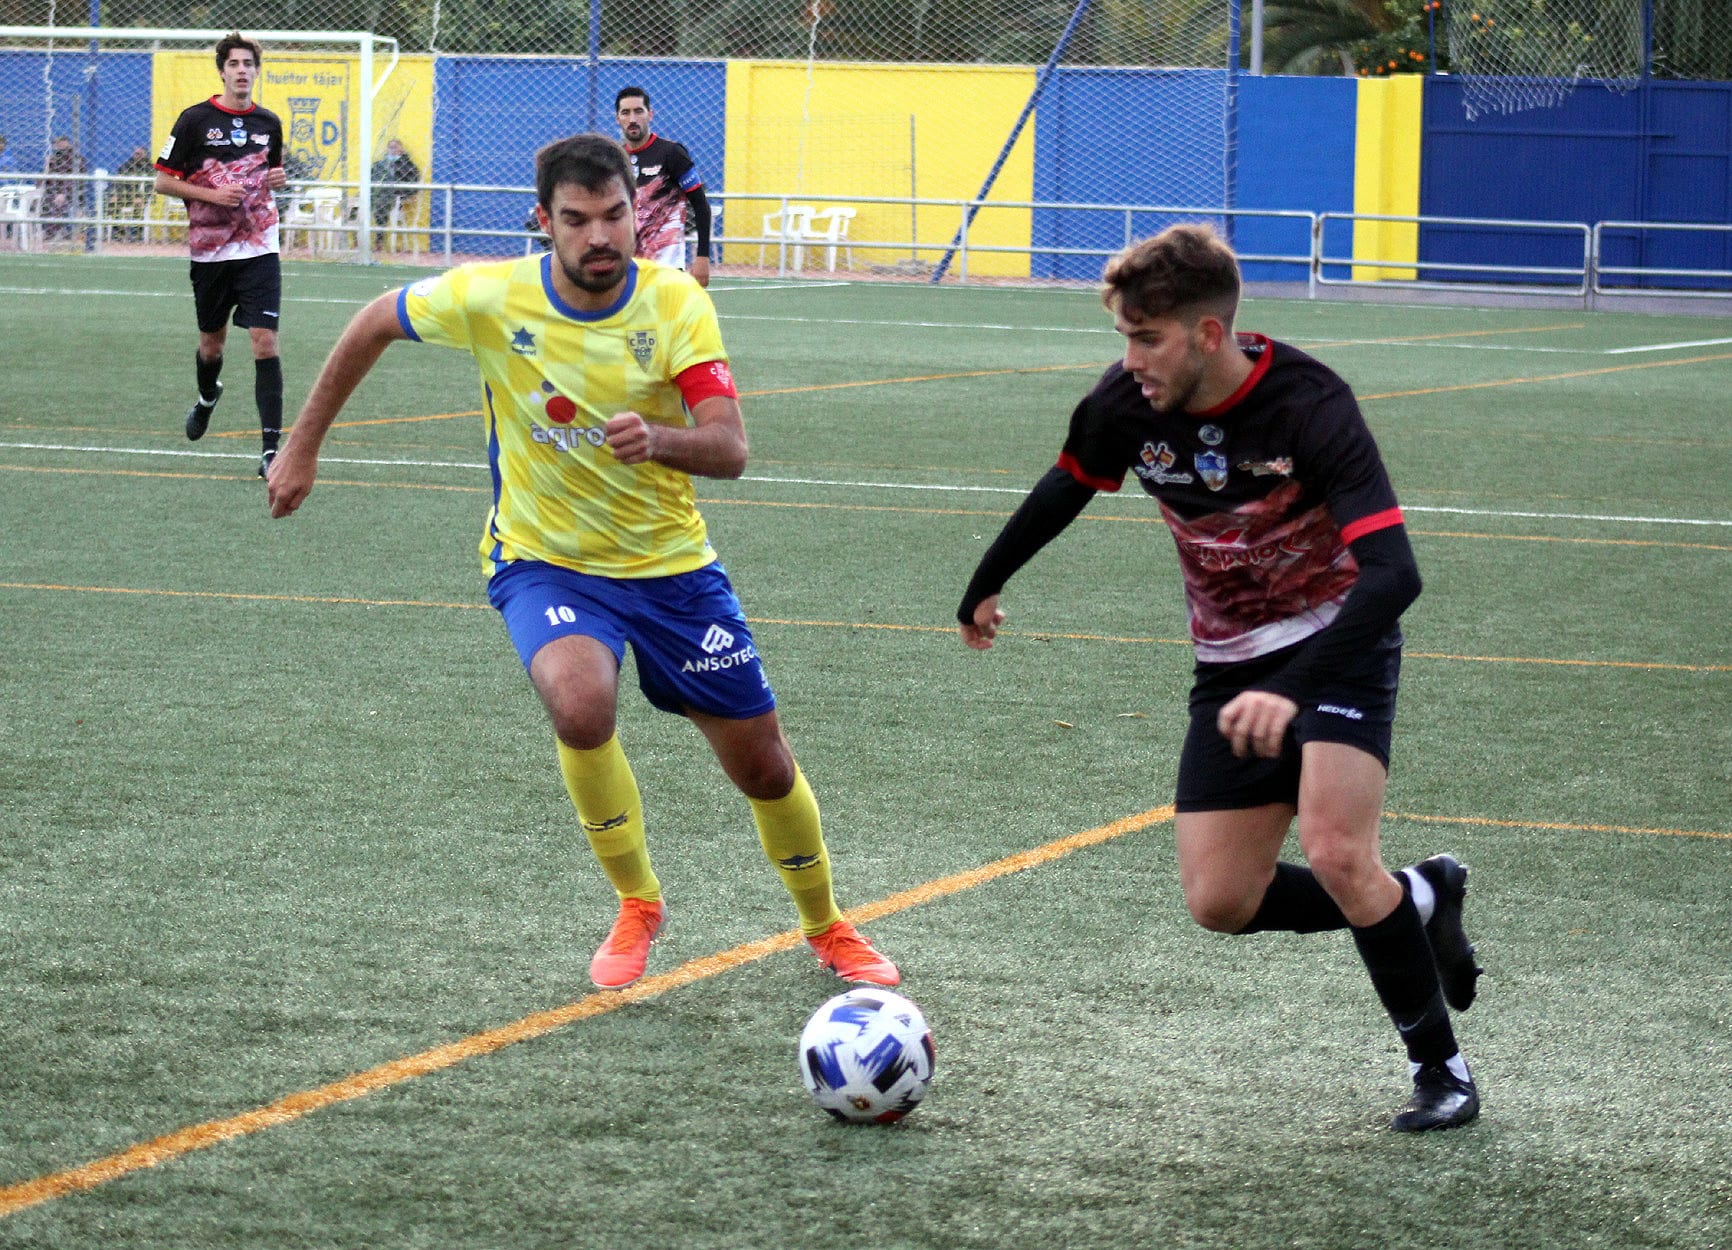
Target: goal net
86 110
1516 55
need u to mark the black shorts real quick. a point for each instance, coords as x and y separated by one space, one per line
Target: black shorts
251 289
1356 707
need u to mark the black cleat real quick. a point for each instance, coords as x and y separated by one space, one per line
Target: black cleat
1450 949
265 462
1440 1100
198 416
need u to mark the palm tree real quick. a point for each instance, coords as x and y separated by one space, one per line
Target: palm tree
1320 36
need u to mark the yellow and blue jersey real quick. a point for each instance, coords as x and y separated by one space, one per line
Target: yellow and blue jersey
551 377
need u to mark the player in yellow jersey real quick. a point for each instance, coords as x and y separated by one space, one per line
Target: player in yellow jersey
605 388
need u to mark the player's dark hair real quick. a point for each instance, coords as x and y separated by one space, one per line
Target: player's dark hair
234 39
623 92
1184 271
587 160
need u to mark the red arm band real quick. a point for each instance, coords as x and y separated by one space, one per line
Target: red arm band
1370 524
706 381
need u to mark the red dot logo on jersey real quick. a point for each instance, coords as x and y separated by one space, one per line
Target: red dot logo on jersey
561 409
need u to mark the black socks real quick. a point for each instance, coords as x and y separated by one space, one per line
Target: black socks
268 391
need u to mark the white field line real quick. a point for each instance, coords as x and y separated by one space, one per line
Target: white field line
1666 347
833 482
1005 327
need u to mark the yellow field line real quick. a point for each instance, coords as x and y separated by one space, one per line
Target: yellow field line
882 626
285 1110
924 377
1548 377
781 390
1553 826
1592 542
867 507
1453 334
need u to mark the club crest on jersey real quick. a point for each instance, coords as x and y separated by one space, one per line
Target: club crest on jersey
643 346
523 342
1279 466
1212 468
1157 461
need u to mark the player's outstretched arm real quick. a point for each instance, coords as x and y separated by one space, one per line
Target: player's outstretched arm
715 446
980 632
363 341
1056 500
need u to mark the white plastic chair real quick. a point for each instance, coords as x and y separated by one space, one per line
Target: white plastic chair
829 229
787 225
166 213
18 209
400 225
318 212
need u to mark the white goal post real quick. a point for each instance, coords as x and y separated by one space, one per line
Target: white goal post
369 49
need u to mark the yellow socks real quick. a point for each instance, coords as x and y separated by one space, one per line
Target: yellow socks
605 794
793 838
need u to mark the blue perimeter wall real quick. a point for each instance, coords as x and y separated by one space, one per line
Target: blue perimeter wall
1660 152
1295 151
478 99
121 88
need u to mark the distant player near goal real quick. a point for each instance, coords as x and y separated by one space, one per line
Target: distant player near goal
224 157
1297 569
667 181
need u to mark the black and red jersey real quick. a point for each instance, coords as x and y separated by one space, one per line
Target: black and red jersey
665 175
213 146
1262 493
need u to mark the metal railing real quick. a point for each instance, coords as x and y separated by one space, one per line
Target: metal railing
1640 274
452 222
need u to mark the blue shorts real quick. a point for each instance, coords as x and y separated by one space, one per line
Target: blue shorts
687 632
1356 707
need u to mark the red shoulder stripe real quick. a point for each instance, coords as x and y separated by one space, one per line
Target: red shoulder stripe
1069 464
1386 519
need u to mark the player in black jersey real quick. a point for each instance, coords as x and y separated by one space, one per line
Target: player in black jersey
667 181
224 157
1297 569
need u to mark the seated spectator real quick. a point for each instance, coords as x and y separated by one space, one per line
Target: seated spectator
62 199
395 166
126 199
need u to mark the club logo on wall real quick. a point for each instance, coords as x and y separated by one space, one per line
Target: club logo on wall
317 145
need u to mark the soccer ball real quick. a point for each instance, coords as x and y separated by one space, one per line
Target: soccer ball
866 1056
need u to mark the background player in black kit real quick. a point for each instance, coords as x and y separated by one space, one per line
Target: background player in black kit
1297 569
224 157
667 181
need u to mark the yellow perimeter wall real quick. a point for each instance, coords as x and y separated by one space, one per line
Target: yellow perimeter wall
318 98
858 142
1386 173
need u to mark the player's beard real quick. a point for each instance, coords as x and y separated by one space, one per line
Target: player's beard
1182 387
593 283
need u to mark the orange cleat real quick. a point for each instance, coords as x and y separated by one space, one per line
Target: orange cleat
851 957
622 958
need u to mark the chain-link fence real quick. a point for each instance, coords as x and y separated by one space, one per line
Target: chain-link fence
931 137
918 138
1525 54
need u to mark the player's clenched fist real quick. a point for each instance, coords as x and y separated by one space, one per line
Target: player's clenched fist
631 438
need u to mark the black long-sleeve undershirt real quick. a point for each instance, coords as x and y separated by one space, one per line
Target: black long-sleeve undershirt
701 216
1056 500
1387 583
